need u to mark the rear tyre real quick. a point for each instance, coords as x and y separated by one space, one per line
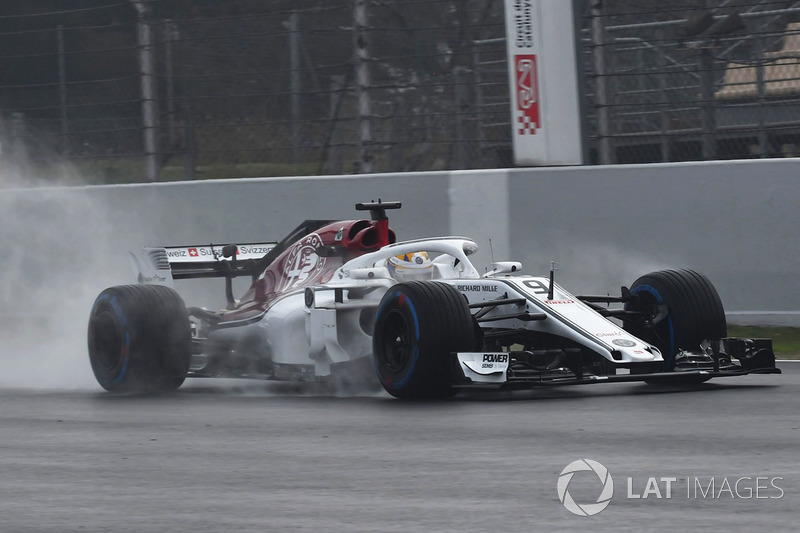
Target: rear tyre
418 325
139 339
694 313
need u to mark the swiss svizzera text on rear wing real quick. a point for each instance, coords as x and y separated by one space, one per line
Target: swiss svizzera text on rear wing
164 264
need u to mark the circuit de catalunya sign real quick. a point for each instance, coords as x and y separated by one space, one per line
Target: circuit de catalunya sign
546 123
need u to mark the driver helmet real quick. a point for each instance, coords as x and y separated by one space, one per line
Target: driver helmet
409 267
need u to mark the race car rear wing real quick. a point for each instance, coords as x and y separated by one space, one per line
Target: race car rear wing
164 264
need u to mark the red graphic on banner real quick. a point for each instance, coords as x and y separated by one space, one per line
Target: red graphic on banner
192 252
527 94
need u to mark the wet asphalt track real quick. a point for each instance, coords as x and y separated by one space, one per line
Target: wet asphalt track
236 456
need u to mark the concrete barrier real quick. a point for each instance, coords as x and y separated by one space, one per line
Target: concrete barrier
605 226
734 221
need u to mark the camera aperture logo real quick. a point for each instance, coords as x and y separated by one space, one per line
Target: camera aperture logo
585 509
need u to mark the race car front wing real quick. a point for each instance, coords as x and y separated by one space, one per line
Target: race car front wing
555 367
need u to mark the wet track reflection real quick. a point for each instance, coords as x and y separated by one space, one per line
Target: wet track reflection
254 456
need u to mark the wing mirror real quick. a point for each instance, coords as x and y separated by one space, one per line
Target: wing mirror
504 267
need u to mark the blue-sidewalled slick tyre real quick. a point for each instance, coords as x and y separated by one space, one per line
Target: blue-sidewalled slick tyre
695 311
139 339
417 326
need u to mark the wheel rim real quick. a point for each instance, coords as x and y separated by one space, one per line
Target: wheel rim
662 328
107 341
396 345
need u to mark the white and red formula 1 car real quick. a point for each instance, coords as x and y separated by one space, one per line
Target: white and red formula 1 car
334 298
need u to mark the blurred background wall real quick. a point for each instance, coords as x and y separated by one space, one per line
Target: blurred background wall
118 91
605 226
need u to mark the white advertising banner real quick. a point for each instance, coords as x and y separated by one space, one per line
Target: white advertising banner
543 80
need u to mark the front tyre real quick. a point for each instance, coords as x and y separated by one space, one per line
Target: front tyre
681 308
139 339
418 325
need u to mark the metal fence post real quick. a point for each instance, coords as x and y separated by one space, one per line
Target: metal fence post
459 75
169 60
663 113
707 96
148 88
361 59
761 89
605 149
295 81
478 90
338 86
185 109
62 90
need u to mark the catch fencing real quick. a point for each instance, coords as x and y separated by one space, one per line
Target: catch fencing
118 91
684 80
